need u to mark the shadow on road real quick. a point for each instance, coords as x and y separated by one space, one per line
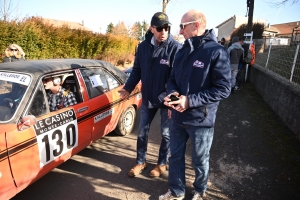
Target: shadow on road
253 156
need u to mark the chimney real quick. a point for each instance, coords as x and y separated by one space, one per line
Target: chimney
82 23
268 26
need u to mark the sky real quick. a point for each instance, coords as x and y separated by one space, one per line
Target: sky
97 14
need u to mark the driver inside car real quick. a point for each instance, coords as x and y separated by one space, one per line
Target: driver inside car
13 98
58 97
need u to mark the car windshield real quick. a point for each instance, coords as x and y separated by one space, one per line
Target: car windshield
12 90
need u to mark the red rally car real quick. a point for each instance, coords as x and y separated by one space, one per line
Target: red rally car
34 140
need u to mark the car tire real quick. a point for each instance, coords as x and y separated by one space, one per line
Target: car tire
126 122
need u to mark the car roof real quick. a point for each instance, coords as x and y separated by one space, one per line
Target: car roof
40 67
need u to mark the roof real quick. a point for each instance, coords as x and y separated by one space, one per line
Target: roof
286 28
60 23
233 17
239 20
272 29
41 67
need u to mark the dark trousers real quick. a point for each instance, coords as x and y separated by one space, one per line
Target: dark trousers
239 76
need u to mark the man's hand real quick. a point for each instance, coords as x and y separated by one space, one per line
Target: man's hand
181 105
167 100
124 94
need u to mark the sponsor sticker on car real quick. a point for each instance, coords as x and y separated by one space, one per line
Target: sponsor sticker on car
56 135
103 115
15 77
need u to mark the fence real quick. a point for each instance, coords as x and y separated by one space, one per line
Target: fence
284 60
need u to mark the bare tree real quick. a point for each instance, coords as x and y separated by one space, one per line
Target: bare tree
8 9
120 29
282 3
164 5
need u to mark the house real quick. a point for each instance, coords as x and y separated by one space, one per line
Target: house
60 23
282 34
227 27
270 31
288 30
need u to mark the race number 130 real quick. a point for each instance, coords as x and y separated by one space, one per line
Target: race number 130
57 142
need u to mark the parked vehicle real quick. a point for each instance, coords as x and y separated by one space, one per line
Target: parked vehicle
34 140
128 71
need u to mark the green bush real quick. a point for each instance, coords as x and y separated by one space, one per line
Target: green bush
44 41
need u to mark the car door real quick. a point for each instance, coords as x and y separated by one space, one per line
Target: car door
104 101
7 186
54 138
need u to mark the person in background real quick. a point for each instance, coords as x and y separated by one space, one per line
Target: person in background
200 79
240 68
14 53
230 43
153 65
13 98
223 41
58 96
236 53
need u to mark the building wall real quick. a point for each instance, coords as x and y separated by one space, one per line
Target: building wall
240 20
226 29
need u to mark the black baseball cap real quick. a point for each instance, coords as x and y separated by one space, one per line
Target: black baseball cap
159 19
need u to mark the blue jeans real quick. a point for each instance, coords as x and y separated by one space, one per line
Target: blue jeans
147 116
201 138
233 77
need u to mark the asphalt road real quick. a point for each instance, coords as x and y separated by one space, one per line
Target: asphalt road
253 156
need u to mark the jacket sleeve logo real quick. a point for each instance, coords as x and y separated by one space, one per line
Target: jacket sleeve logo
164 62
199 64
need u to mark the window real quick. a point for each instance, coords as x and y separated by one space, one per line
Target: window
38 104
98 81
70 83
112 82
95 82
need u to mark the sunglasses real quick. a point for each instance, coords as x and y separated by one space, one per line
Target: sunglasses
14 49
159 29
182 26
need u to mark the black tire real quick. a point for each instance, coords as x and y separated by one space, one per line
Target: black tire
126 122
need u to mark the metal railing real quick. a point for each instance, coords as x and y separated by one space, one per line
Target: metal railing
284 60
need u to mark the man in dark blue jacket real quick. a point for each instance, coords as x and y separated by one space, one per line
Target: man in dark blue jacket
200 79
153 65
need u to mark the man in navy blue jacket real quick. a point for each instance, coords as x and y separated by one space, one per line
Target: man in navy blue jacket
153 65
200 79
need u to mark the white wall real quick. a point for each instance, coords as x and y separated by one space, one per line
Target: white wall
226 29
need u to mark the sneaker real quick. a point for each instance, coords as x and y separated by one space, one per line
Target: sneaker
236 88
137 169
169 196
158 170
198 196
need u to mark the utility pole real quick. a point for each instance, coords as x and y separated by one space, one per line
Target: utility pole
250 7
249 33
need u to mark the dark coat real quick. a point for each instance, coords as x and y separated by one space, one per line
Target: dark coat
201 71
12 59
153 67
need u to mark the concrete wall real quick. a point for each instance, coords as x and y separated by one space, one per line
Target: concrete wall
281 95
226 29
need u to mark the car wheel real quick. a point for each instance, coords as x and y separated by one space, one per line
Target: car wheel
126 122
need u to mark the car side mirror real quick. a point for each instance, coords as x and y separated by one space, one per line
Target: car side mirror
26 121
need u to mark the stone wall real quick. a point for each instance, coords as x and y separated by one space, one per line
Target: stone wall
281 95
